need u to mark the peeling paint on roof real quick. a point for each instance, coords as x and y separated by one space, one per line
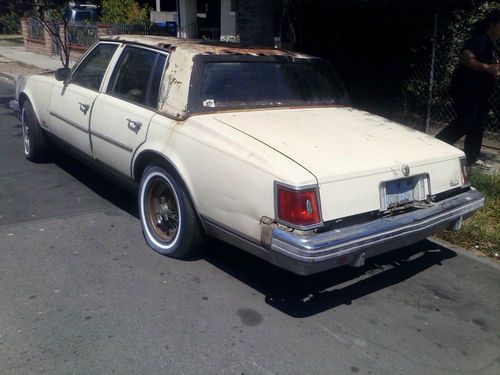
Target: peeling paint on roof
174 89
201 47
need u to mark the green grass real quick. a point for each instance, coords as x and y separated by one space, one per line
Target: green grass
482 231
7 40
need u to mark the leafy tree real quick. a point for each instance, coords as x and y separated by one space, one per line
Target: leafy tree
9 23
123 12
50 14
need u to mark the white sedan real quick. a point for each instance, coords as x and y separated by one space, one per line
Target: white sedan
256 147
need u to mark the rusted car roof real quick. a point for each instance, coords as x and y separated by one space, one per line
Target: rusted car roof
174 88
199 46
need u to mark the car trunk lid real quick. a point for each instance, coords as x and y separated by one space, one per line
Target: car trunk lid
339 143
352 154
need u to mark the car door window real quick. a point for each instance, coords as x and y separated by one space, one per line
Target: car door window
91 70
137 75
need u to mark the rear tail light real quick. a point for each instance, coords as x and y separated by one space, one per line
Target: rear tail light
465 172
297 207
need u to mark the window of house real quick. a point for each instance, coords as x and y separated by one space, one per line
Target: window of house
91 70
137 75
168 5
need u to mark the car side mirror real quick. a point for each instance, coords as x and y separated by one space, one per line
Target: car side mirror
62 74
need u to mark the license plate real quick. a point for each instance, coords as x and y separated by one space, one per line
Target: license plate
399 192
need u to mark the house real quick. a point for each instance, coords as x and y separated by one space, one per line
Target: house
224 20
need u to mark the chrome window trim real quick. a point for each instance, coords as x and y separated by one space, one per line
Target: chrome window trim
111 68
84 56
113 65
297 188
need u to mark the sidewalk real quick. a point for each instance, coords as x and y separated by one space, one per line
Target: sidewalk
16 61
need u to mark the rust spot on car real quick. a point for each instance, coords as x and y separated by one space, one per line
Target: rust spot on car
203 47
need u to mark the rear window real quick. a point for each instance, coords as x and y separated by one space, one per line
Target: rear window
249 84
82 16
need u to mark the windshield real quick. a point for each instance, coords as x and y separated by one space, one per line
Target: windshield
257 84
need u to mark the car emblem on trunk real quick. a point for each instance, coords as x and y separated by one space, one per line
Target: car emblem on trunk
405 168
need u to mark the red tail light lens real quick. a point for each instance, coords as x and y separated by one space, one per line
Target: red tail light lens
298 207
465 172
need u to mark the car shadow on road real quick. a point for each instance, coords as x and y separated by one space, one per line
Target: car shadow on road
294 295
4 102
102 186
300 296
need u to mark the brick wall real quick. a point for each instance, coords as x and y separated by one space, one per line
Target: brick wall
46 45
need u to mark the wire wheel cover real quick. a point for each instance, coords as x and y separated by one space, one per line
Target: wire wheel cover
162 210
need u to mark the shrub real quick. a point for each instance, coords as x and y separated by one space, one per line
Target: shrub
482 231
9 24
124 12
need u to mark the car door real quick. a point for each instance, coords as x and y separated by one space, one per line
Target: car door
70 105
121 115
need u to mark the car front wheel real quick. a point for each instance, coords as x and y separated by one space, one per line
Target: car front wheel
169 223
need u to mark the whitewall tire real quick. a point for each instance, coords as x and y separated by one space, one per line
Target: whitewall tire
169 223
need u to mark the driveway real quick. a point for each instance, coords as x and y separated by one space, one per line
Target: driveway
82 294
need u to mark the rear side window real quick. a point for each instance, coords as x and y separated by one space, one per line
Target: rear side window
91 70
83 16
137 75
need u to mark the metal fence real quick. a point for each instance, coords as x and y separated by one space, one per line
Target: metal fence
426 99
83 35
139 29
35 29
88 34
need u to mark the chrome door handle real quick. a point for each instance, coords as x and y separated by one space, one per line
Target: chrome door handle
84 107
134 125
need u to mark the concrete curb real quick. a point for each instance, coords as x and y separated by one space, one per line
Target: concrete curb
485 260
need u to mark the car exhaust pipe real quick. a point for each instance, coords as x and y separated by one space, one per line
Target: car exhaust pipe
359 261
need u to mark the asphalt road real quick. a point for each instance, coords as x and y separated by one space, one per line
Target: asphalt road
81 293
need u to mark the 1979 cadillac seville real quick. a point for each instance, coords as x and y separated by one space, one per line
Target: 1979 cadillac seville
256 147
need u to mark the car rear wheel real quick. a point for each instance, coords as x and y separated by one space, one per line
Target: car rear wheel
169 223
35 144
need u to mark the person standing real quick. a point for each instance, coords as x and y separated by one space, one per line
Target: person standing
471 86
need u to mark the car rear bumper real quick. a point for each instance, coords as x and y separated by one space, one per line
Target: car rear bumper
306 253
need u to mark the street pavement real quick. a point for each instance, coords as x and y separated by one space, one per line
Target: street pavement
81 293
28 59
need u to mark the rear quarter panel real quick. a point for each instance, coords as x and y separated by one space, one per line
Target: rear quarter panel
230 175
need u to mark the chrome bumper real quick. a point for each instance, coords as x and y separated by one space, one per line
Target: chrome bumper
315 252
